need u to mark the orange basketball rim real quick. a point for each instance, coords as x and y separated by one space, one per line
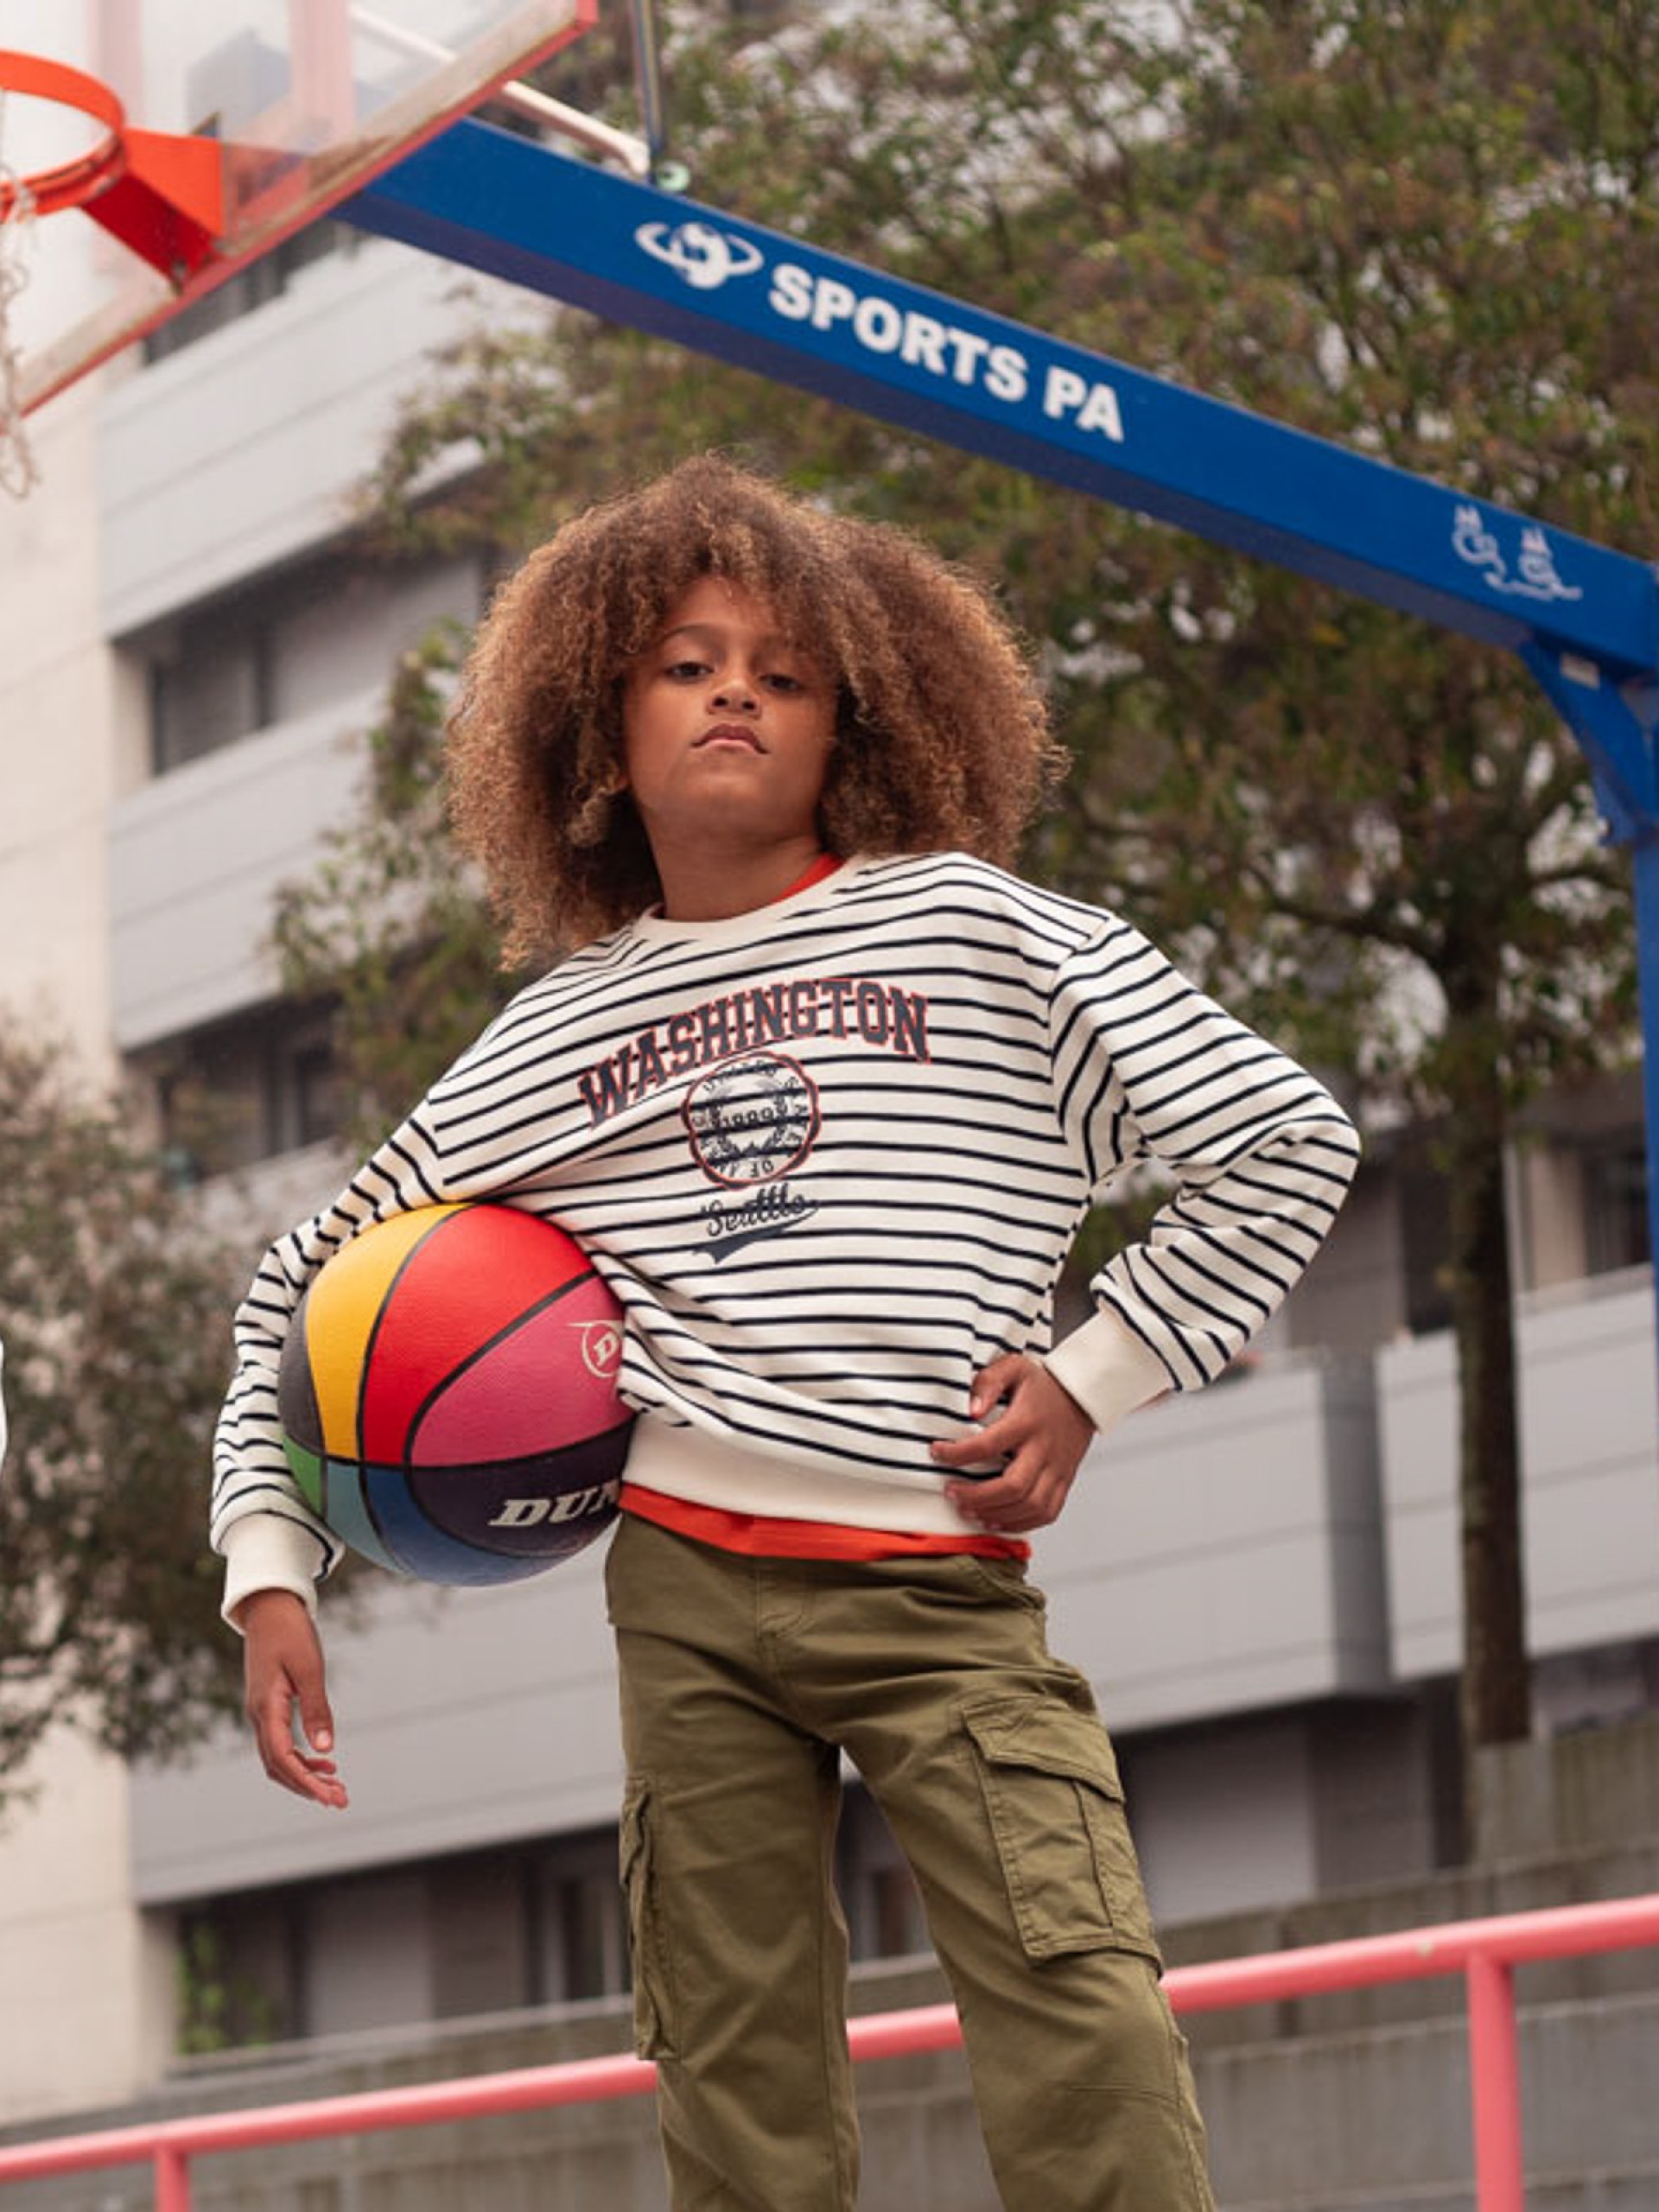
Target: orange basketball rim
161 194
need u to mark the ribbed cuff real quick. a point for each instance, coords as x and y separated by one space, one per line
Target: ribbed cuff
264 1552
1107 1370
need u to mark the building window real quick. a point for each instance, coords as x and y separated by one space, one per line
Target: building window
209 684
581 1946
264 280
879 1894
1598 1688
239 1974
449 1938
293 644
237 1092
310 1074
1615 1204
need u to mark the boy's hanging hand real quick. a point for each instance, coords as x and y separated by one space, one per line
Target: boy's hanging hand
284 1675
1040 1432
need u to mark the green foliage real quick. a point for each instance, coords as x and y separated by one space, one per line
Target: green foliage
116 1305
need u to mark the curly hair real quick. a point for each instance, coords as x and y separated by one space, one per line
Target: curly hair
942 738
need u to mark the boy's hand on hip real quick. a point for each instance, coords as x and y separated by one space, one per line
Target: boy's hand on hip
1041 1432
283 1671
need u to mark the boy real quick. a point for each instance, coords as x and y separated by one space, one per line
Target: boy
826 1093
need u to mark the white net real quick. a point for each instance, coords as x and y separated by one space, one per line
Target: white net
18 471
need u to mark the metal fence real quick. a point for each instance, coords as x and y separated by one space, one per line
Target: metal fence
1484 1952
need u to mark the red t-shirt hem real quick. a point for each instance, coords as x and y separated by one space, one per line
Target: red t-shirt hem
764 1536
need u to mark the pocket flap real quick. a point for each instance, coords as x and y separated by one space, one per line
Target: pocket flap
1048 1739
1055 1809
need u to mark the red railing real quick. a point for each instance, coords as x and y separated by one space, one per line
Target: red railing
1485 1952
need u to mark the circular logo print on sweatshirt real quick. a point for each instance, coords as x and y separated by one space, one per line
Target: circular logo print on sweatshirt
753 1119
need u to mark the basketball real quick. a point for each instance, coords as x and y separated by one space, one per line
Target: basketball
447 1394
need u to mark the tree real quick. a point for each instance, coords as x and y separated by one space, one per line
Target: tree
1428 228
1425 230
116 1303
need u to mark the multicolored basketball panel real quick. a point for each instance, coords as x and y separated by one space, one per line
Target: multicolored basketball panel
447 1394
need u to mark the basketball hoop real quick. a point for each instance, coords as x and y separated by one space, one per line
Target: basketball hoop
310 99
160 195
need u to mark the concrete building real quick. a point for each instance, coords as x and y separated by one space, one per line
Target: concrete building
1260 1580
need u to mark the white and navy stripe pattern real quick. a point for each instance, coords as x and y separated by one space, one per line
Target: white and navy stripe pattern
832 1154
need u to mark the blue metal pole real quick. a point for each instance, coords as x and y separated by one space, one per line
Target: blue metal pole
1616 726
1644 867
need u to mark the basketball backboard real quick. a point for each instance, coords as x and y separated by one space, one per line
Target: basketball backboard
305 101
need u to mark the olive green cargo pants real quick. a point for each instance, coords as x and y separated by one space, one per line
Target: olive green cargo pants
742 1680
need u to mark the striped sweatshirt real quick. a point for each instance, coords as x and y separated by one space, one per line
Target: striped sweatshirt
830 1156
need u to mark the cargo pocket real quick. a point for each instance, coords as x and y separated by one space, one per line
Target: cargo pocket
647 1947
1055 1809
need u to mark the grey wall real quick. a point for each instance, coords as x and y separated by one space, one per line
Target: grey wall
1589 1414
238 454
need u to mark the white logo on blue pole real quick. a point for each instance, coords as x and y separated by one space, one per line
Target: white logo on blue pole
704 257
1534 575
